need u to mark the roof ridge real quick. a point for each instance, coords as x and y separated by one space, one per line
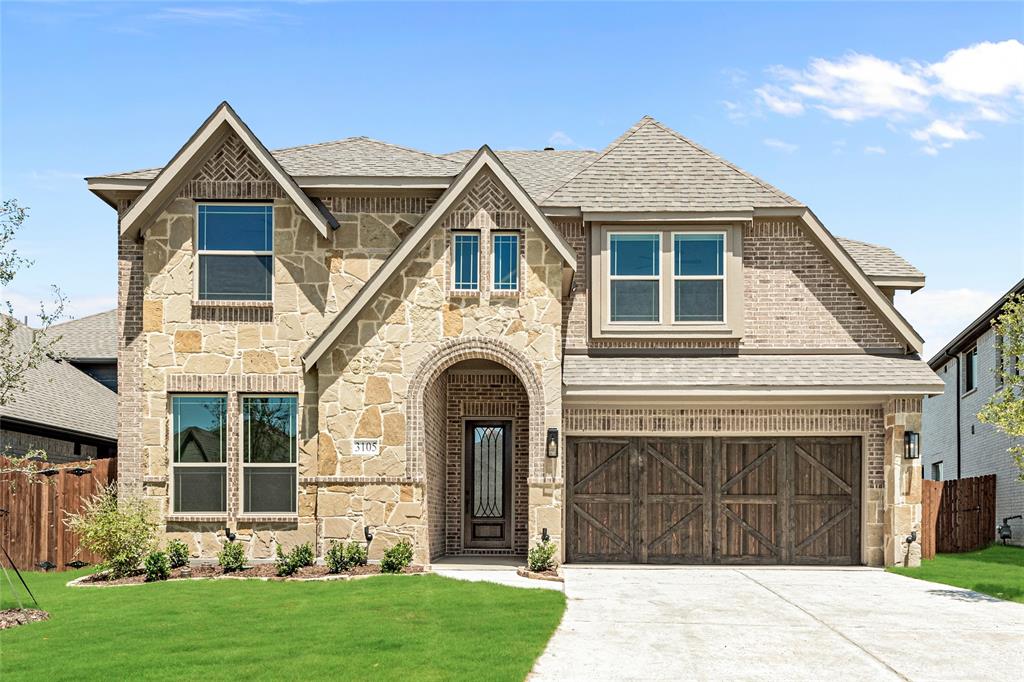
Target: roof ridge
707 152
368 139
633 130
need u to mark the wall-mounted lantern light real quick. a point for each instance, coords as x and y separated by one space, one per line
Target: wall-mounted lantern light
368 534
552 443
911 445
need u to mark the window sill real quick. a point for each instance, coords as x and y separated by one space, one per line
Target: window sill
268 518
501 293
660 331
196 518
967 393
232 304
464 293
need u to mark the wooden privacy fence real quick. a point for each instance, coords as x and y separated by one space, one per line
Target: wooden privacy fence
957 516
33 531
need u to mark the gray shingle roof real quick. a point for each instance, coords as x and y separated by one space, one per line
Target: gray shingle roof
88 338
540 172
654 168
61 397
351 156
878 261
833 372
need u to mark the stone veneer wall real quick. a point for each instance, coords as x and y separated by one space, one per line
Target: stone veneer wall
486 395
794 297
870 423
902 501
171 343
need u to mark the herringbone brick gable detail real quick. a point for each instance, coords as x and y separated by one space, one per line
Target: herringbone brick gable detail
486 204
231 172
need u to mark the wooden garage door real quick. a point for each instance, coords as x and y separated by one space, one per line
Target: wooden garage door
705 500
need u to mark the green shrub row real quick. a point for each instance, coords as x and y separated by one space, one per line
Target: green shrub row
300 556
341 557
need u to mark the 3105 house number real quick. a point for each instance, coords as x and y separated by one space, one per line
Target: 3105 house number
365 446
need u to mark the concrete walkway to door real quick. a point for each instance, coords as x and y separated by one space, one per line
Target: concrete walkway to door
728 623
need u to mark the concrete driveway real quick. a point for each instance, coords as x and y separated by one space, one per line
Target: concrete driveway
778 624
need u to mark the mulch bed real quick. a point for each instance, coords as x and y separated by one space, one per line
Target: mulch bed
260 571
11 618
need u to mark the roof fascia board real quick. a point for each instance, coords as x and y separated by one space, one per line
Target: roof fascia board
668 216
908 283
562 211
975 328
484 158
860 280
647 391
101 184
156 195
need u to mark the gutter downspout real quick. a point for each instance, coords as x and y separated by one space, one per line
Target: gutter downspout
957 398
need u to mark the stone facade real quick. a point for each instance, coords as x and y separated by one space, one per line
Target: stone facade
398 373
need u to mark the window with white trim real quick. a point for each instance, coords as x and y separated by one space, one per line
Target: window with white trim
634 277
199 464
466 261
235 252
505 261
269 448
698 287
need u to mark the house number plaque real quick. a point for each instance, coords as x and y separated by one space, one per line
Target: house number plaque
365 446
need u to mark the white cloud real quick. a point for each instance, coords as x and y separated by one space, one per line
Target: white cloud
243 15
776 99
940 314
930 150
982 70
561 139
774 143
875 149
935 102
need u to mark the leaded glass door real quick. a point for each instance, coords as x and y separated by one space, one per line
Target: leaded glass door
488 485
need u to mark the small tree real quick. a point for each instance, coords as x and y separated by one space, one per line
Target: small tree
122 531
1005 409
21 349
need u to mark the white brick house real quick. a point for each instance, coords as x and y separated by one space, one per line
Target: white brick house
645 353
955 443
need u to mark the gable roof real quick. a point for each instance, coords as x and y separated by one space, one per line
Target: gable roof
485 158
88 338
59 396
539 171
210 134
653 168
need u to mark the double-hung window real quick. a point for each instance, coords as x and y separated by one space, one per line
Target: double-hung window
235 252
634 277
505 261
199 462
269 445
698 287
466 261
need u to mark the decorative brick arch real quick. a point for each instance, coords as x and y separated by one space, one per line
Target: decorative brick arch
472 348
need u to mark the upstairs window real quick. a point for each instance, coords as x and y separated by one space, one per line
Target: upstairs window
235 250
199 439
971 370
269 469
466 261
634 277
698 287
505 262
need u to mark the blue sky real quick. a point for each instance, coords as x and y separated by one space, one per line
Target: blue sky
897 123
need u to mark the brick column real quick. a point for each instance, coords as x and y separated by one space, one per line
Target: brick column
130 314
902 513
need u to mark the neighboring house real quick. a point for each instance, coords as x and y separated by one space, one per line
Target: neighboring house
68 408
956 444
646 354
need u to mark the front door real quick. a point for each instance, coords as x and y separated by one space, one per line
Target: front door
488 485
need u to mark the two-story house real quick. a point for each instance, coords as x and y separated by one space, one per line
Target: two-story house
958 444
645 354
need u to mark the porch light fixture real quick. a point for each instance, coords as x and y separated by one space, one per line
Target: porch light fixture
552 444
911 445
368 534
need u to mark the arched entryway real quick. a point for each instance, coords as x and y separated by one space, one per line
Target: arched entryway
476 414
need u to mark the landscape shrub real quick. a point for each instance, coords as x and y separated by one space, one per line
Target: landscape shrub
542 557
232 557
396 557
158 566
120 531
177 553
335 558
288 563
355 554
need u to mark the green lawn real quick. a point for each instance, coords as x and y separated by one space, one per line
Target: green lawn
997 570
388 627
